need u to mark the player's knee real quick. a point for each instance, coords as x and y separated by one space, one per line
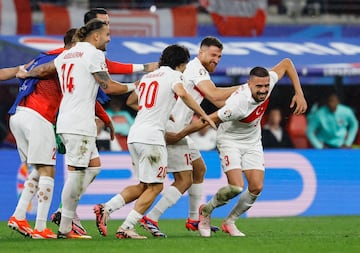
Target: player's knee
255 189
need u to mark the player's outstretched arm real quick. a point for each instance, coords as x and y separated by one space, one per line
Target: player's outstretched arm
151 66
129 68
286 67
172 138
8 73
191 103
110 86
216 95
41 71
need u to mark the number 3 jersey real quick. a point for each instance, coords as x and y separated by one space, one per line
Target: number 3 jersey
156 99
75 68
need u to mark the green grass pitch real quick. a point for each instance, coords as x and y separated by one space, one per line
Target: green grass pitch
335 234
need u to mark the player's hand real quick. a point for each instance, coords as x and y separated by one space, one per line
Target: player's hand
22 73
209 120
151 66
110 127
300 104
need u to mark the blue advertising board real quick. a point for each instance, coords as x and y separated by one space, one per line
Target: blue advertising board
297 183
320 57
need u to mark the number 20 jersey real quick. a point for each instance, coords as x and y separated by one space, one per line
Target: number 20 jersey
156 99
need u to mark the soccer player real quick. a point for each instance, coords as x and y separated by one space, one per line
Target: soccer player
157 94
81 70
118 67
239 142
31 121
113 68
185 161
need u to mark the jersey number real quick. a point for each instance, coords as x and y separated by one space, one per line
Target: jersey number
162 172
67 80
150 93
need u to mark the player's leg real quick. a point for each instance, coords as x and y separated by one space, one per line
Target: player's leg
179 164
127 195
253 158
34 135
152 172
103 211
73 187
44 195
230 158
126 230
170 196
90 174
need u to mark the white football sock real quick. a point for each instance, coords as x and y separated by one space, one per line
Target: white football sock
30 188
70 198
168 199
131 220
246 200
115 203
90 175
45 194
222 196
195 195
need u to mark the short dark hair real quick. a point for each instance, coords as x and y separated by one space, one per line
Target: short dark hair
92 13
68 37
88 28
174 55
259 72
211 41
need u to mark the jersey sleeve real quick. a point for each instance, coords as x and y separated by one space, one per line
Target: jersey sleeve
101 113
97 62
202 75
273 79
234 108
118 67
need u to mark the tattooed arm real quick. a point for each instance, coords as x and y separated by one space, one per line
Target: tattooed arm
110 86
41 71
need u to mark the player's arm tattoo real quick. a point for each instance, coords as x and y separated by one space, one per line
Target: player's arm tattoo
102 78
43 70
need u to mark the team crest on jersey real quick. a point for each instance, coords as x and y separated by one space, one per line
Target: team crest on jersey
227 114
202 72
103 66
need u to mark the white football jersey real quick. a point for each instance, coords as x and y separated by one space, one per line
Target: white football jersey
156 100
241 115
77 109
194 73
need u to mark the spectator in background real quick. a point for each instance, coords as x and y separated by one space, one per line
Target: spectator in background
333 125
274 134
205 139
122 121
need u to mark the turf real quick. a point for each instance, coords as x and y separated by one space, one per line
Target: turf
264 235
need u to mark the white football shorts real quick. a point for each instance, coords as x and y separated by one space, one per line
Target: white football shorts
79 149
149 162
245 157
34 135
179 158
